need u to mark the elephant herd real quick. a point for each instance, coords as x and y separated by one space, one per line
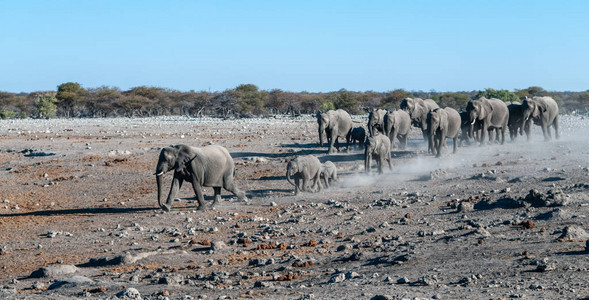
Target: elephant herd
212 166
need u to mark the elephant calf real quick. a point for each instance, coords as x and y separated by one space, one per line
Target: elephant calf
443 123
304 168
358 134
210 166
328 173
378 146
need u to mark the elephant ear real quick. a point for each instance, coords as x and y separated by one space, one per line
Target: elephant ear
487 107
185 156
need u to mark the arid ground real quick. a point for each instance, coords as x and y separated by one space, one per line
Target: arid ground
79 216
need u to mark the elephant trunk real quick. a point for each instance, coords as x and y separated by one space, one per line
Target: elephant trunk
158 178
367 161
288 174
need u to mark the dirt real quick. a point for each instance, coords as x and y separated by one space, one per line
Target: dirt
82 192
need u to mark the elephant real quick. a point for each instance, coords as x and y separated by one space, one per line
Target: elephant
358 134
397 124
417 109
376 121
328 173
335 124
378 146
209 166
544 112
305 168
443 123
514 123
493 114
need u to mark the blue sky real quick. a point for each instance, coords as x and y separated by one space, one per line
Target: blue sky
314 46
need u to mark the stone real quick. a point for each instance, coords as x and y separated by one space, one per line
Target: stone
382 297
54 271
129 293
573 234
73 281
465 206
403 280
337 278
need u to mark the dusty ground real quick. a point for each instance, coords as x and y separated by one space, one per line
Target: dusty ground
81 192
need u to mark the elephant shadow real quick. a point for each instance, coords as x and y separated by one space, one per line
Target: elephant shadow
82 211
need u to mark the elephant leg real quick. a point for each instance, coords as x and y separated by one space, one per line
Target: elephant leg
229 185
455 144
217 196
199 195
176 182
502 135
555 124
482 136
390 161
545 131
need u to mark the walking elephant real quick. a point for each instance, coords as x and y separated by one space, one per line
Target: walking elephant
397 124
516 120
417 109
304 169
443 123
335 124
378 146
544 112
492 113
376 121
328 173
358 134
209 166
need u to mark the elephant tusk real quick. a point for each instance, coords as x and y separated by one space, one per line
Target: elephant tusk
159 174
473 122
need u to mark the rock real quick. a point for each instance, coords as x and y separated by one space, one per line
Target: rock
382 297
257 262
219 246
465 206
431 280
129 293
573 234
587 246
556 214
337 278
505 202
54 271
263 284
351 275
551 198
403 280
73 281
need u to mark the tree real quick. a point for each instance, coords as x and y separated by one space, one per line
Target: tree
345 100
250 99
504 95
393 99
69 94
454 100
45 106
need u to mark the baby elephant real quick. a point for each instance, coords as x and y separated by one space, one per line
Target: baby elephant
304 168
328 173
442 123
378 146
358 134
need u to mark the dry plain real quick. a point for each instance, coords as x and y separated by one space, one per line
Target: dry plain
78 197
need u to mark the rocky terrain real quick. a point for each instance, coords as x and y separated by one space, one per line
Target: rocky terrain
79 216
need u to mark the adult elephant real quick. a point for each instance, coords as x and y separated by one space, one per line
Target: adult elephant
376 121
443 123
304 168
544 112
417 109
397 124
209 166
516 120
493 114
335 124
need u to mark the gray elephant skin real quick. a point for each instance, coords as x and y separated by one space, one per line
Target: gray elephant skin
304 169
328 173
358 134
209 166
443 123
376 121
516 120
542 111
379 147
397 124
493 114
417 109
335 124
